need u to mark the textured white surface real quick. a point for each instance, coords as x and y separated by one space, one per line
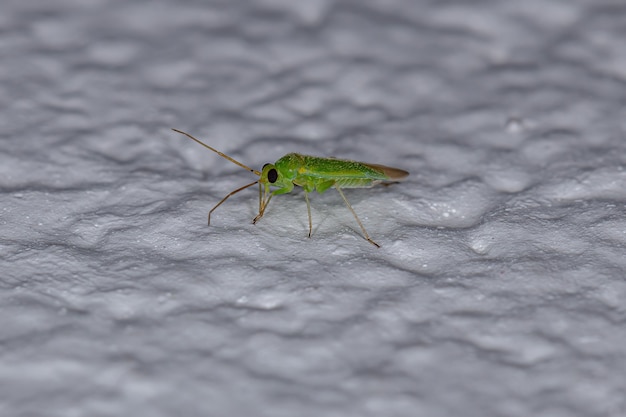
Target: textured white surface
501 282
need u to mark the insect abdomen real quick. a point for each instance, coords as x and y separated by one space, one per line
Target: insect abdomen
356 182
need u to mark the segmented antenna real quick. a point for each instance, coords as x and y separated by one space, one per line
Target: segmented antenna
223 155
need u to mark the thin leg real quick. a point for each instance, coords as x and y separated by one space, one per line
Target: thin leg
262 210
357 218
225 198
308 209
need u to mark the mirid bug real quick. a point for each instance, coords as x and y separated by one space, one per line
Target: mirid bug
310 173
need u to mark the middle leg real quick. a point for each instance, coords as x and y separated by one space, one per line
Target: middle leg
308 209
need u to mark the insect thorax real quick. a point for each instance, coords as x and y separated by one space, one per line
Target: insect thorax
289 165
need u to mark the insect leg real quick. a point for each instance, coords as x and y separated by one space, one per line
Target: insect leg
225 198
266 196
308 209
262 209
356 217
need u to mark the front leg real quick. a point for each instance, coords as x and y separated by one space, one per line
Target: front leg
264 199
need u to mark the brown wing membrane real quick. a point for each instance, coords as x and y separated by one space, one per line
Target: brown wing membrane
394 174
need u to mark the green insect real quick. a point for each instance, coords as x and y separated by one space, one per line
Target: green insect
311 173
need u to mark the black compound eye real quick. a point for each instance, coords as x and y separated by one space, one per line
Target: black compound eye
272 175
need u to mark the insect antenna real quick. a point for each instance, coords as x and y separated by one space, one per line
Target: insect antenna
223 155
226 198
